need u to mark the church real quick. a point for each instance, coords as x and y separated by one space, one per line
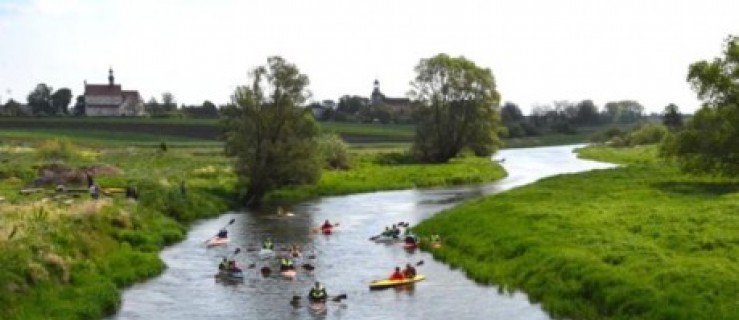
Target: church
110 100
401 108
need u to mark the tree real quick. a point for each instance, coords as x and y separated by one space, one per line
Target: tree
168 102
510 113
273 139
60 100
40 100
708 143
12 108
153 107
671 118
458 108
587 113
625 111
79 106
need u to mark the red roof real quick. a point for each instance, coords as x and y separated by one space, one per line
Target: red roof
102 90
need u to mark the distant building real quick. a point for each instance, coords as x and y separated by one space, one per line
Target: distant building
110 100
400 107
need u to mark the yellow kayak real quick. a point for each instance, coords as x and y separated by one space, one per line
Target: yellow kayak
385 283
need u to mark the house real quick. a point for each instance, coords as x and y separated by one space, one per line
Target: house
401 108
111 100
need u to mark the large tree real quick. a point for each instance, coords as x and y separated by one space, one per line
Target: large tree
458 108
60 100
710 140
273 139
40 100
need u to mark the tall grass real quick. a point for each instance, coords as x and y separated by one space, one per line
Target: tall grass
638 242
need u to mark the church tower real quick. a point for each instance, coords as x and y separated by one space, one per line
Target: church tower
110 77
377 96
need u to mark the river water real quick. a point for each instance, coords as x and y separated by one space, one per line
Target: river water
345 262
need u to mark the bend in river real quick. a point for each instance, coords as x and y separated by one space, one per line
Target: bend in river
345 261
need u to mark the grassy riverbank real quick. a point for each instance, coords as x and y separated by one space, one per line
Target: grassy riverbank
374 171
642 241
66 256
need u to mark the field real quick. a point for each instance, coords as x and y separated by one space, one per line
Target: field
642 241
206 131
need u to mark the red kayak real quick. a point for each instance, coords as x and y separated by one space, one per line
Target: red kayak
409 245
326 230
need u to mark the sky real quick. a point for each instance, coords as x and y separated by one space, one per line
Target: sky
539 51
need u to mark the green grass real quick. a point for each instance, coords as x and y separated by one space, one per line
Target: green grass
102 138
637 242
374 171
70 260
634 155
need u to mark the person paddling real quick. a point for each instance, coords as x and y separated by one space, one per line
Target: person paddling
409 271
223 265
295 252
232 266
317 293
268 245
286 264
223 233
397 275
327 225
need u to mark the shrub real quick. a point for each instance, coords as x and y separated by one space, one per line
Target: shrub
57 149
334 151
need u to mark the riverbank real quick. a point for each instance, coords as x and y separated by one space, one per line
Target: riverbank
66 256
642 241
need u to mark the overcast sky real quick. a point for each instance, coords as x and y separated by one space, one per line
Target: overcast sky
538 50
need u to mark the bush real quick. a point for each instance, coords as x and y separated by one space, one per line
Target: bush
334 151
57 149
648 134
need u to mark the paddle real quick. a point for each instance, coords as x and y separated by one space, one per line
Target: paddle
337 298
224 227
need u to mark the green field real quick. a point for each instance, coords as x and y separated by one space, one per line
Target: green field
637 242
206 131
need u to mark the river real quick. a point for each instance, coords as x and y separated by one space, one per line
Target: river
345 262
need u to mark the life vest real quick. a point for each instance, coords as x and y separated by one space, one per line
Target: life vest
318 293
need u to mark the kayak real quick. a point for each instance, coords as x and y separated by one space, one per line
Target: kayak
384 238
410 245
386 283
266 254
230 274
326 230
288 273
216 241
318 306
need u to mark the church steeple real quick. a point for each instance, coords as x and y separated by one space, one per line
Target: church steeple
110 76
376 96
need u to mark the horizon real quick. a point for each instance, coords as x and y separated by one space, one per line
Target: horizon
562 50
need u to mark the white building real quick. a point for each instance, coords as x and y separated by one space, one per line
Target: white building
110 100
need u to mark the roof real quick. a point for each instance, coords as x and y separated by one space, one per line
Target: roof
130 94
102 90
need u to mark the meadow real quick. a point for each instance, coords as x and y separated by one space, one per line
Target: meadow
642 241
67 256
